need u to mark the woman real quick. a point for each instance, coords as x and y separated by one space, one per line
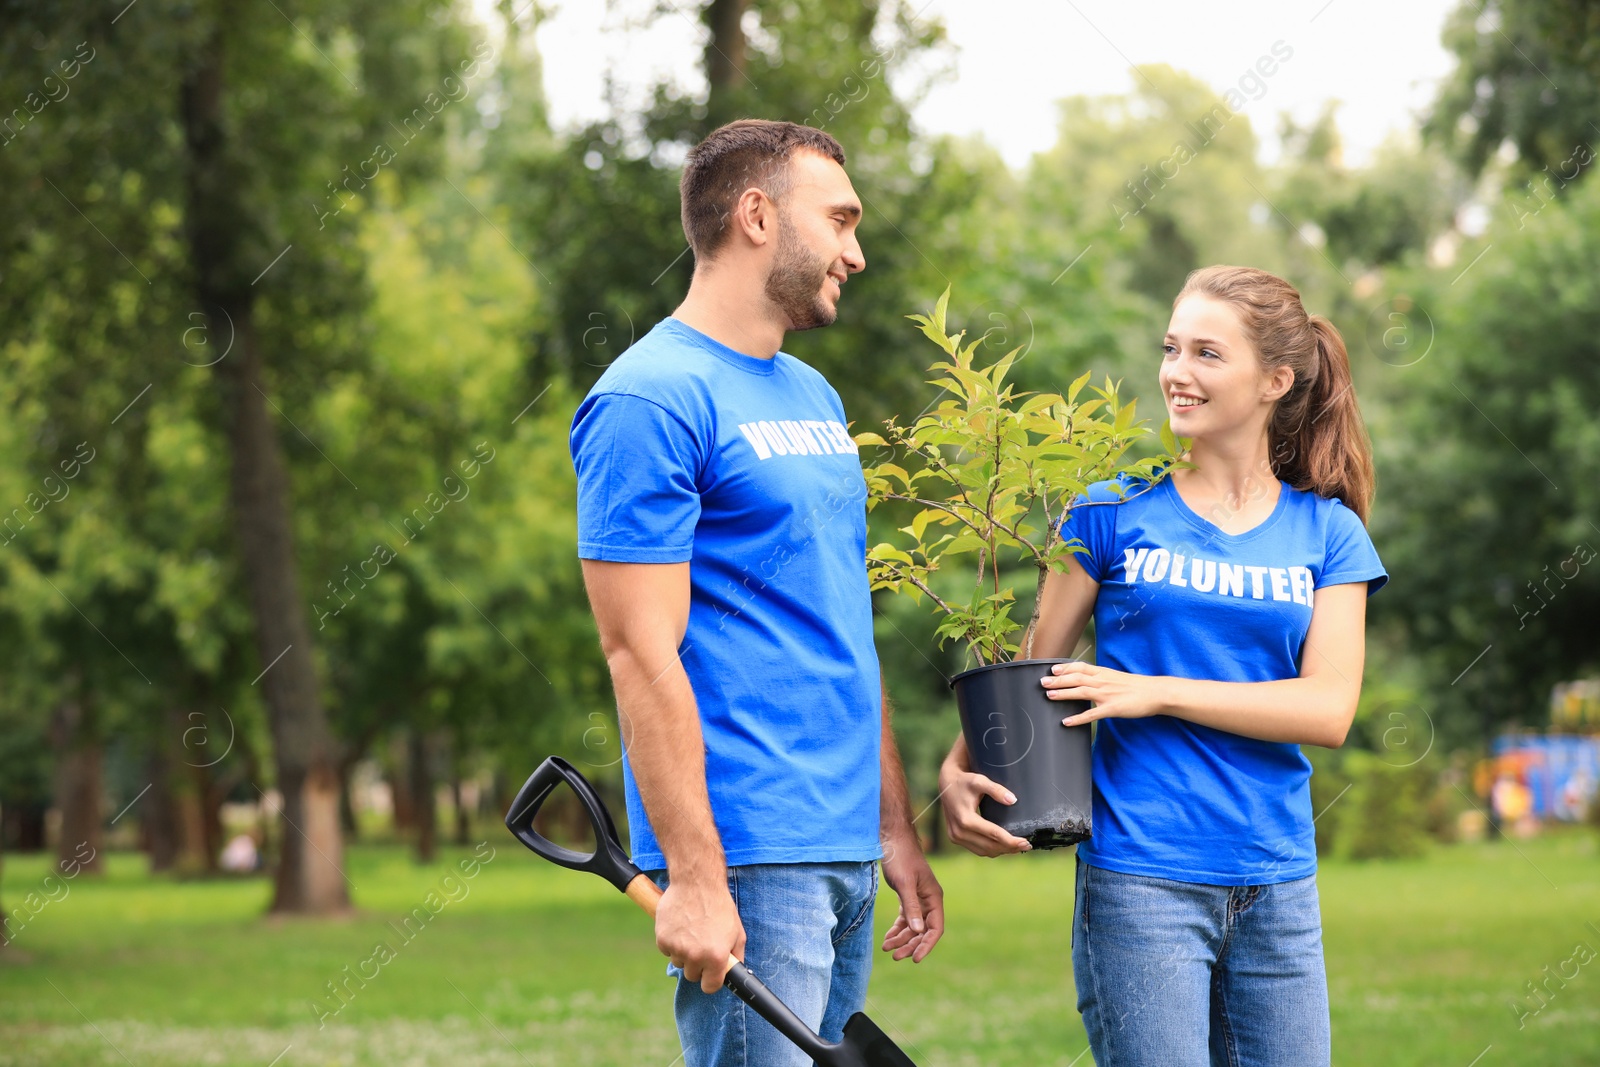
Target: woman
1229 602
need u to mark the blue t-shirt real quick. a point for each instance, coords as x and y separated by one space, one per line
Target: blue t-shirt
687 450
1181 598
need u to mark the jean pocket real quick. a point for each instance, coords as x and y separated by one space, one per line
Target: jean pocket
864 911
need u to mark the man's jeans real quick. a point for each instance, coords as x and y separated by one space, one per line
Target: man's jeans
808 937
1179 974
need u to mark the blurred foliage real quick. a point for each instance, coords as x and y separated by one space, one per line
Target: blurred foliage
1525 84
458 305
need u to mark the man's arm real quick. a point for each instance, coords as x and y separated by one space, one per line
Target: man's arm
920 923
642 611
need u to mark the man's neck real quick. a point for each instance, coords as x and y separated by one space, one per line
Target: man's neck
733 316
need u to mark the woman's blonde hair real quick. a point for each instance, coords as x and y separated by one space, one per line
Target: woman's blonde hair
1317 439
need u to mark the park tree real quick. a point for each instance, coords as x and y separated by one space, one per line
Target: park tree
1487 453
1527 79
214 150
601 206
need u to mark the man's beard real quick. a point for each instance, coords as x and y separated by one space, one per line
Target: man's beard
794 284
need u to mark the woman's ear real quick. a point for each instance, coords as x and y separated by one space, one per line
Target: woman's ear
1278 383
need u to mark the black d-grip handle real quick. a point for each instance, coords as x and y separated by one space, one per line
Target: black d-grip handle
608 859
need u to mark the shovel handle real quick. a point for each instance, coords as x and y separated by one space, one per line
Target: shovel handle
614 865
608 859
746 986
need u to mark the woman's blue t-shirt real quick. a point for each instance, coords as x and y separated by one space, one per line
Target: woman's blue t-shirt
1180 598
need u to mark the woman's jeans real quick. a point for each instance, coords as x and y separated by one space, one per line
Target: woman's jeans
1180 974
808 937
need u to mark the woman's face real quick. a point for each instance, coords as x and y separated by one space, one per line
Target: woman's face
1211 377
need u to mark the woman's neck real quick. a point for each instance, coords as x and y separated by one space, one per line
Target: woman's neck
1238 480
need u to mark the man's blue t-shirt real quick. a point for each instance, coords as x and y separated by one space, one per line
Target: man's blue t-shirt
687 450
1181 598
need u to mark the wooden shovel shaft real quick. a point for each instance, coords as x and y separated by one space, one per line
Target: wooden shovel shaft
645 893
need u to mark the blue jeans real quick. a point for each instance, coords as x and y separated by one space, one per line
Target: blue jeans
1180 974
808 937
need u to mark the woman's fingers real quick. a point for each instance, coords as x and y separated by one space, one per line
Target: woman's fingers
971 830
992 788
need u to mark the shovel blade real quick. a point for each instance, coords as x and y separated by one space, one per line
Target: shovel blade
870 1046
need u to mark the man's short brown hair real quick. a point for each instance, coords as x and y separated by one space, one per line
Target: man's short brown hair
732 158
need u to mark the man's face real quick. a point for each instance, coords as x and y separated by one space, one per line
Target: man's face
816 248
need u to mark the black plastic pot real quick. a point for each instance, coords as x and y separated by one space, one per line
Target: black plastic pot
1015 737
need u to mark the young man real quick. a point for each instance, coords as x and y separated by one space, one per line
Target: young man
722 526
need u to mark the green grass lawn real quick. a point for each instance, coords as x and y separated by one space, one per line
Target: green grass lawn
537 965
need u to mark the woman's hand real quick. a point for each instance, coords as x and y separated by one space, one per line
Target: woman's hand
1113 694
960 789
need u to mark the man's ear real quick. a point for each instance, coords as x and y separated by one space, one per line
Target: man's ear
755 216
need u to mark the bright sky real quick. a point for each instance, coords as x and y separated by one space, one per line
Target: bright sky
1015 58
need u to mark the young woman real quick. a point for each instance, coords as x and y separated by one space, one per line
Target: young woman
1229 602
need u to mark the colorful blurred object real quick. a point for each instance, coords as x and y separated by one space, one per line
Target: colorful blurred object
1539 776
1575 705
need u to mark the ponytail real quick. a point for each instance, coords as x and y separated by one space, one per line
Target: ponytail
1323 447
1316 440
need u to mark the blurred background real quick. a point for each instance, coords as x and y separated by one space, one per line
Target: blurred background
297 301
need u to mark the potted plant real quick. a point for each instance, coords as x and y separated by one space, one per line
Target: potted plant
987 474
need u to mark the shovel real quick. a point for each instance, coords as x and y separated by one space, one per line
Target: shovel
864 1045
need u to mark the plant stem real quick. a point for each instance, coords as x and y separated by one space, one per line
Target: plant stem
1033 622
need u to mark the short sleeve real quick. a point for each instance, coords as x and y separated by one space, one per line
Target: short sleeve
637 466
1350 555
1091 520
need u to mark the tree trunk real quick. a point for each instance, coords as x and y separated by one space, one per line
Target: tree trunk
158 814
181 816
463 816
22 824
396 773
310 872
79 785
347 808
420 768
724 59
211 794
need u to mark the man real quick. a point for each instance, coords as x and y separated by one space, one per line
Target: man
722 527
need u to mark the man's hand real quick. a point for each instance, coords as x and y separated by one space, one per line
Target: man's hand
920 923
698 928
960 790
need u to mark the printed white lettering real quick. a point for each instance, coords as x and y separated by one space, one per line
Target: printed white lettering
820 430
1155 567
796 438
805 430
1287 584
1280 583
775 438
757 441
1130 563
1232 579
1258 589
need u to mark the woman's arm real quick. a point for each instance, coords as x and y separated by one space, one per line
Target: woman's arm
1065 603
1313 709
